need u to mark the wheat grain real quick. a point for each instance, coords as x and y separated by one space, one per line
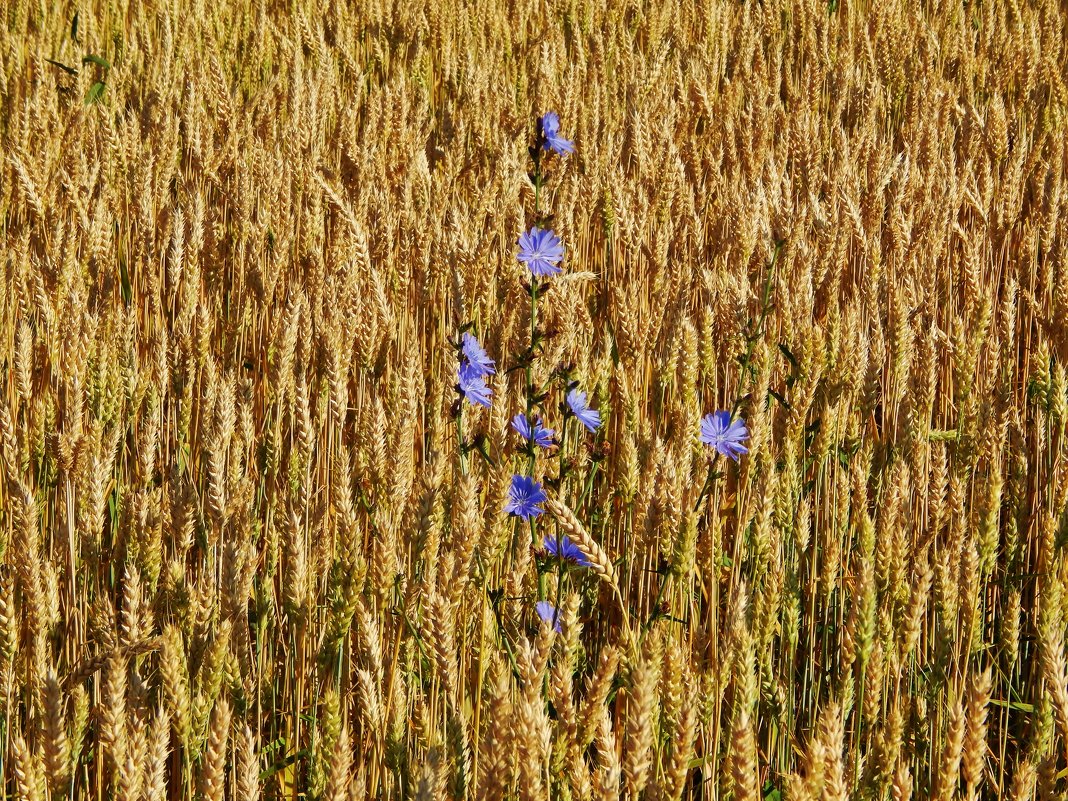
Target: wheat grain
212 779
231 468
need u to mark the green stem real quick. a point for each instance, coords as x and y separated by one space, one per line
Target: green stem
705 488
589 483
537 190
460 440
530 364
708 483
561 454
656 604
559 580
765 309
534 545
504 639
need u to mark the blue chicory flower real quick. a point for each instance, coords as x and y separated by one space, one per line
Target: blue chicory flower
725 435
524 496
476 355
473 384
590 418
550 130
547 612
542 436
541 250
565 549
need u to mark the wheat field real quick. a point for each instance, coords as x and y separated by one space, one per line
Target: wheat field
260 536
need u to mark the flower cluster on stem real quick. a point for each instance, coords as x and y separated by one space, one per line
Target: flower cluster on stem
542 252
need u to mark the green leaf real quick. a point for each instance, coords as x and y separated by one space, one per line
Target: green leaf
789 355
100 61
273 746
1016 705
782 401
96 91
284 763
124 279
64 67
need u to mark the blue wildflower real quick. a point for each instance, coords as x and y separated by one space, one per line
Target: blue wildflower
565 549
550 130
542 436
590 418
541 250
547 612
473 384
476 355
725 435
524 496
